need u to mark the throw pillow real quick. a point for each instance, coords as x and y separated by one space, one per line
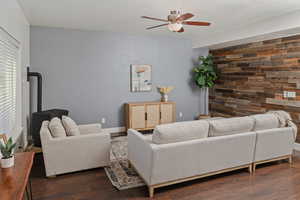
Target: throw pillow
70 126
230 126
56 128
180 131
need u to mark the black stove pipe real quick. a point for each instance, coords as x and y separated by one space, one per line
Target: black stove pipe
39 87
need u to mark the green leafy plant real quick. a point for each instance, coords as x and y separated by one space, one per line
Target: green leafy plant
7 148
204 72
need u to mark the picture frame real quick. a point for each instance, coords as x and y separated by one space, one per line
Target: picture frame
140 78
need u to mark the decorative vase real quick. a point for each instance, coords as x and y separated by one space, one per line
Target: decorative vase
7 162
164 92
164 97
206 96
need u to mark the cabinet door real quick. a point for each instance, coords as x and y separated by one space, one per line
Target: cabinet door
152 115
167 113
137 116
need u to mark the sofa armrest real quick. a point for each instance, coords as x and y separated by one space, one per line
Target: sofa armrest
273 143
71 153
140 154
81 140
90 128
294 127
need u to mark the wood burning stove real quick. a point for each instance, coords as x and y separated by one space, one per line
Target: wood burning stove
38 117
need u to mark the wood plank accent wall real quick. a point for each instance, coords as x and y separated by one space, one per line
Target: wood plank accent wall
251 74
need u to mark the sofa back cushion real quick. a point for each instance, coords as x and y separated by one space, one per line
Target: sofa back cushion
265 121
229 126
180 131
56 128
70 126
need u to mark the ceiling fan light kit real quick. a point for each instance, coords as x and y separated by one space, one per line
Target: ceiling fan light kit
174 27
175 21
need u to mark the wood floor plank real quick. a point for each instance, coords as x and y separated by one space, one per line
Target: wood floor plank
272 181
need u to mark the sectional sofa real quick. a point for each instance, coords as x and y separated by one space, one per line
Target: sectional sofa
185 151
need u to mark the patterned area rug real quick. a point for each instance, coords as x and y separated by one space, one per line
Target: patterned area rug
120 175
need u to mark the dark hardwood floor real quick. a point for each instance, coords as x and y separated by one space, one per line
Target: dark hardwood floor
272 181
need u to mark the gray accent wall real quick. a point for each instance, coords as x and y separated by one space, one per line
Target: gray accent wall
88 72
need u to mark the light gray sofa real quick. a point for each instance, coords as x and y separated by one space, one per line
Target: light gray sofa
90 149
188 150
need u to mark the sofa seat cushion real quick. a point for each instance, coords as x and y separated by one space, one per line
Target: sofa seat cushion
265 121
229 126
180 131
71 127
56 128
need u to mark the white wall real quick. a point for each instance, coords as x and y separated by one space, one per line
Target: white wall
13 20
265 28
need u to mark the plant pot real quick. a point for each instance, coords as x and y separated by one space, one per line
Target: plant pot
7 162
205 92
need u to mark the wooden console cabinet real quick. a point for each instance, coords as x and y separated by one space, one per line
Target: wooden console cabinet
146 115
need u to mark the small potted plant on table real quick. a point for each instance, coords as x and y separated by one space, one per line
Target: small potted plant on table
8 158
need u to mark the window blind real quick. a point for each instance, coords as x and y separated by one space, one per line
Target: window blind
9 51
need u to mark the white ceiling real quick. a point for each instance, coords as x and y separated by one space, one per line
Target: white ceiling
231 19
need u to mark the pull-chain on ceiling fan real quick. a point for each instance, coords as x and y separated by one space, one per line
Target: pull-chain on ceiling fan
175 21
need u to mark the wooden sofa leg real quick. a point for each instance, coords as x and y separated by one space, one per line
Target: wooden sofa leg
250 169
151 191
290 159
253 167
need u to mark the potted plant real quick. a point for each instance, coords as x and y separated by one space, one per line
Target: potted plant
205 76
8 158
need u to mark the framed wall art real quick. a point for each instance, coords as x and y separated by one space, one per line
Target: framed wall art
141 78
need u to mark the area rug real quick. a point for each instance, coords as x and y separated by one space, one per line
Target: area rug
120 175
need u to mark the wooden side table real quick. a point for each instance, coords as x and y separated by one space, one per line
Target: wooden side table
15 181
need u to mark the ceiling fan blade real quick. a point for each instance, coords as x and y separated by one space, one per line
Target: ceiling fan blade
196 23
157 26
184 17
162 20
181 30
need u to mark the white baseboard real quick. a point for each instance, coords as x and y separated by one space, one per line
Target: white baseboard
297 146
115 129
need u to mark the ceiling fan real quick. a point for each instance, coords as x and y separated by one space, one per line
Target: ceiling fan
175 21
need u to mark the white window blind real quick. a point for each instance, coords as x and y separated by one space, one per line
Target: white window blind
9 52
